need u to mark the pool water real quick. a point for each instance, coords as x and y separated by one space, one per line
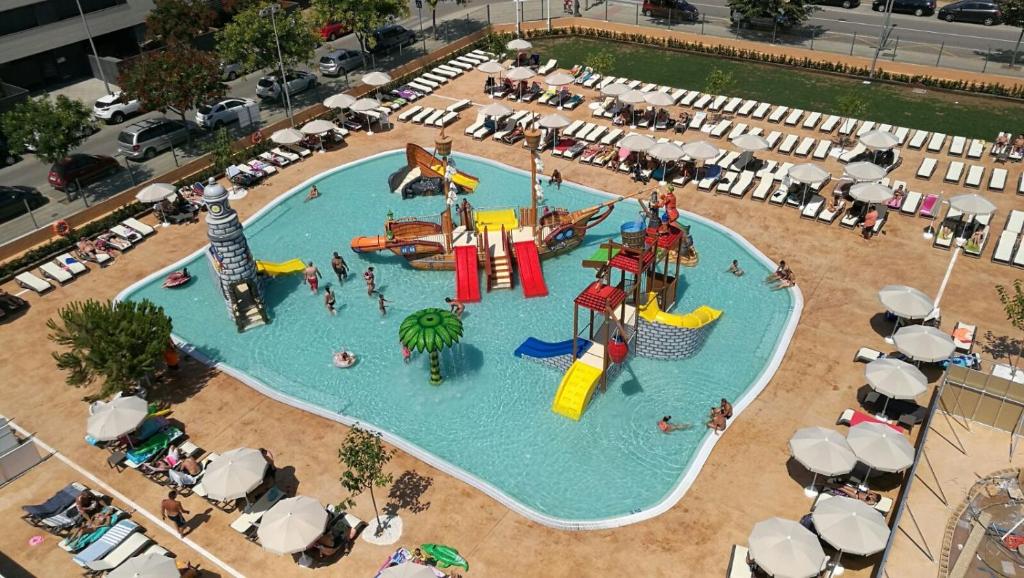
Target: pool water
492 416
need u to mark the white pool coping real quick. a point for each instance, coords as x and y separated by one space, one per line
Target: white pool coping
685 481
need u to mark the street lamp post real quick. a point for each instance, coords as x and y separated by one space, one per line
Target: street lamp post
88 32
883 36
272 10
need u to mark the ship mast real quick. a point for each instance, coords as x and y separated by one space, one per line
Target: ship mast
532 145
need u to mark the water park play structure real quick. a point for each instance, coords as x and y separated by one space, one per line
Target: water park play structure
286 268
424 174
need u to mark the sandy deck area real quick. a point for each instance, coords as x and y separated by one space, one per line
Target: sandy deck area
748 477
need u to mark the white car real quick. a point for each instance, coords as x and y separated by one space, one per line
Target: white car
115 108
298 81
217 114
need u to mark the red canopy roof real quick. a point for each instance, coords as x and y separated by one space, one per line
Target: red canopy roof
632 261
667 240
600 297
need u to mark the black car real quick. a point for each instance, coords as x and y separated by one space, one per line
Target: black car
915 7
979 12
390 37
840 3
671 9
13 200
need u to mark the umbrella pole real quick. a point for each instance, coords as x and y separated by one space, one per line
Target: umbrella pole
811 491
885 408
837 570
892 337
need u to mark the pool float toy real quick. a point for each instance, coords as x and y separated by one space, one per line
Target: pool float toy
445 556
177 279
342 362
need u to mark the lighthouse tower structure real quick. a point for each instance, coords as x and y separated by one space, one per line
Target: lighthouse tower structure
232 260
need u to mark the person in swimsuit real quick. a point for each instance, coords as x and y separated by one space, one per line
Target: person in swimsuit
340 267
735 268
371 281
380 304
313 193
87 505
666 425
312 275
556 178
406 353
725 408
456 306
778 274
329 300
171 508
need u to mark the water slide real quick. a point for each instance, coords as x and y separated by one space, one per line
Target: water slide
286 268
696 319
576 389
534 347
531 275
431 166
494 219
467 281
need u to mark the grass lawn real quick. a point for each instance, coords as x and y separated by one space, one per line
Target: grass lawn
953 114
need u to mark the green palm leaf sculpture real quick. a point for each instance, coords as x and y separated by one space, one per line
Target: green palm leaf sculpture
431 330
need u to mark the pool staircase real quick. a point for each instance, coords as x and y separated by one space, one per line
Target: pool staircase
497 260
247 308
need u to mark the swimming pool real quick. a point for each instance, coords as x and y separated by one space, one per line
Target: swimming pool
490 423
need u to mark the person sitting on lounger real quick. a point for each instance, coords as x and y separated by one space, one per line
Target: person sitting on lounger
1000 145
869 498
716 421
666 425
88 505
1018 144
327 546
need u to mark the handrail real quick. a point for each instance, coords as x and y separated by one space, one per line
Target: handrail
486 249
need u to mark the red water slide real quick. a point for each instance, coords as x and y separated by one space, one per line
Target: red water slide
531 276
467 281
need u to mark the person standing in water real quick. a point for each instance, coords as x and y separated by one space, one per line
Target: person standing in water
380 304
329 300
340 267
455 306
312 276
371 281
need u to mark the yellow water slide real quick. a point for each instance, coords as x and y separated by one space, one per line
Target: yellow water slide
286 268
494 219
696 319
576 389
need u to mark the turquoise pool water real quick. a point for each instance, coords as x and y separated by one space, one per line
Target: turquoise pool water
492 415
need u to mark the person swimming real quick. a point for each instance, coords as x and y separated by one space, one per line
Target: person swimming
735 268
666 425
313 193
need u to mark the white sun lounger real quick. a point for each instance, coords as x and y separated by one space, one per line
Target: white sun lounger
592 80
1004 247
139 226
422 79
821 151
448 118
1020 184
433 119
725 160
936 143
420 87
865 127
804 148
778 197
719 102
830 123
974 175
773 139
741 185
794 117
70 264
746 108
458 105
290 156
957 146
737 130
632 84
848 126
31 281
697 120
1018 258
778 113
726 183
813 207
761 110
612 136
851 154
477 125
910 203
703 101
955 172
690 98
422 115
812 120
548 66
787 144
764 187
677 95
443 71
901 133
976 150
572 128
756 131
719 129
733 105
917 141
997 182
927 168
828 217
649 87
55 272
767 169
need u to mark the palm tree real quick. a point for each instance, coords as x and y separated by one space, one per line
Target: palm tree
431 330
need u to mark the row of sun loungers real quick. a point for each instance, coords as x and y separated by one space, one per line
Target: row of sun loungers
1009 248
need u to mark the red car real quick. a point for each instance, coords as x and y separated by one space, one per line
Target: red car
333 31
79 169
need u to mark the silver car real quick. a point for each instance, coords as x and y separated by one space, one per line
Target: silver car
298 80
217 114
340 62
146 138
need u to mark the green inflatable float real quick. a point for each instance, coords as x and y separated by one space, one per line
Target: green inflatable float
445 555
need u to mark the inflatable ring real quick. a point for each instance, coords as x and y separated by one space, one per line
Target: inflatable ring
62 228
341 363
256 138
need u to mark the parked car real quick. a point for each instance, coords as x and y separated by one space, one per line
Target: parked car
80 169
915 7
115 108
298 80
333 31
390 37
979 12
840 3
340 62
217 114
12 200
230 70
672 9
146 138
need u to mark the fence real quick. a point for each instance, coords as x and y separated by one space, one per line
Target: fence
992 395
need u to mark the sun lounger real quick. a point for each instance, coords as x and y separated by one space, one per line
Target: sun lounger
761 111
55 272
830 123
718 102
697 120
108 542
632 84
739 187
976 150
596 134
848 126
649 87
778 196
767 169
132 545
423 80
126 233
794 117
446 71
910 203
70 264
725 160
1005 246
252 514
733 104
901 132
726 183
719 129
548 66
55 504
778 113
928 206
756 131
853 153
822 149
811 121
433 117
957 146
61 521
457 63
689 98
477 125
737 130
852 417
762 190
703 101
997 181
927 168
936 143
851 219
883 506
422 115
290 156
137 225
813 207
804 148
419 86
787 144
955 172
592 80
408 114
782 171
829 216
963 336
1018 258
611 137
917 141
747 107
738 566
773 139
974 175
865 126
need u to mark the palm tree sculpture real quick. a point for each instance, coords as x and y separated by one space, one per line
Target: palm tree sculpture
431 330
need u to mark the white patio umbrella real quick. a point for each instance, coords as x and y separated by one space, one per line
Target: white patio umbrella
864 171
850 525
665 152
878 140
658 98
881 447
376 78
821 451
785 549
339 101
895 379
365 104
700 150
750 142
554 121
873 192
155 192
972 204
318 126
632 96
292 524
905 301
287 136
520 73
146 566
808 173
637 142
491 67
115 418
234 474
496 109
924 343
407 570
615 89
518 44
558 79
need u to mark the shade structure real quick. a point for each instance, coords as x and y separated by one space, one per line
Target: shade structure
339 101
700 150
518 44
365 104
878 140
972 204
520 73
632 96
822 451
658 98
808 173
850 525
558 79
924 343
881 447
864 171
666 151
637 142
407 570
785 549
614 89
318 126
906 301
287 136
496 109
895 378
292 524
750 142
115 418
554 121
146 566
234 474
874 192
155 192
376 78
491 67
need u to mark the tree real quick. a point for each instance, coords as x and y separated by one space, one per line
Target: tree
178 79
601 61
433 12
1013 304
55 126
249 38
785 12
178 21
850 106
365 456
121 342
221 149
362 16
718 82
1013 15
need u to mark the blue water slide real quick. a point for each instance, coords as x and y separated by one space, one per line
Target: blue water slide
534 347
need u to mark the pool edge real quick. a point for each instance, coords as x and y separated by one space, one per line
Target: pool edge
693 468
